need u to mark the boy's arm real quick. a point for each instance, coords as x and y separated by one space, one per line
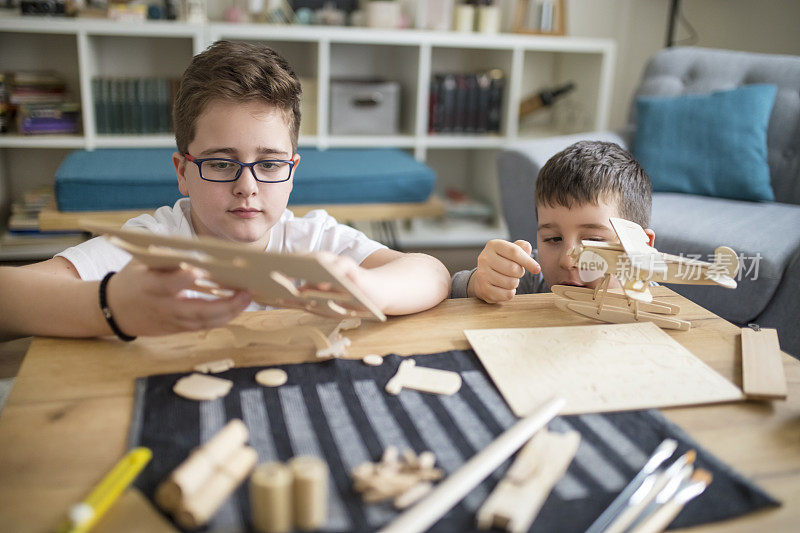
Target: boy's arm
49 298
500 266
399 283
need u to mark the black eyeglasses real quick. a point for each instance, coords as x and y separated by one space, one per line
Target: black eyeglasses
219 169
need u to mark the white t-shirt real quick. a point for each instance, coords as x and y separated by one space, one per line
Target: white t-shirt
315 232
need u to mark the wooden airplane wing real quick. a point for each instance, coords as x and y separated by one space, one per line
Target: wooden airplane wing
276 280
644 258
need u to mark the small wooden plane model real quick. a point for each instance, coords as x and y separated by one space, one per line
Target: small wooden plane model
635 263
275 280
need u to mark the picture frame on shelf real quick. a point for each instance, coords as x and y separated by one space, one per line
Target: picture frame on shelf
540 17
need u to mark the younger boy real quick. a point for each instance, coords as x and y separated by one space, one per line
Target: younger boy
577 191
236 118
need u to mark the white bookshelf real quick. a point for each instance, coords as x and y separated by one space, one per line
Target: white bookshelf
81 49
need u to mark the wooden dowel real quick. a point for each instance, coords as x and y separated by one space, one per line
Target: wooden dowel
448 493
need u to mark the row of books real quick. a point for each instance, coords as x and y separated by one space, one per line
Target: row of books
466 102
133 105
23 238
39 103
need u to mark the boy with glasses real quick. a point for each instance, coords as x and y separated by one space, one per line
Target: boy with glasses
577 191
236 118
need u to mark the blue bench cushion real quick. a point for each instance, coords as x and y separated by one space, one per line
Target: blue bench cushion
116 178
144 178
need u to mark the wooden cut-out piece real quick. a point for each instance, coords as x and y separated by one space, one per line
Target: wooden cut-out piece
412 495
202 387
396 476
310 492
608 367
215 367
271 498
373 359
133 513
232 265
635 263
448 493
762 365
517 499
197 487
423 379
271 377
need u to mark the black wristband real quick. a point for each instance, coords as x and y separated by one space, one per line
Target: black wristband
107 311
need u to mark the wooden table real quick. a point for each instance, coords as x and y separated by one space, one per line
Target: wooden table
66 420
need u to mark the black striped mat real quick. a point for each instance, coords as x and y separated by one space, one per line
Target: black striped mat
338 410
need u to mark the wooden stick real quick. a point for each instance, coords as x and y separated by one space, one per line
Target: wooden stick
448 493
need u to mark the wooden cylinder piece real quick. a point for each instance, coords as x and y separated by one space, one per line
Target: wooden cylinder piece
271 498
310 492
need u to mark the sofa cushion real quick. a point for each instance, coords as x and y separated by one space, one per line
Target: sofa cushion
713 144
764 235
144 178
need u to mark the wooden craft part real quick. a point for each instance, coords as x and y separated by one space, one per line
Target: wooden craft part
271 498
197 509
608 367
762 364
189 477
373 359
635 264
423 379
214 367
449 492
310 491
202 387
517 499
338 346
635 242
271 377
396 477
272 279
413 495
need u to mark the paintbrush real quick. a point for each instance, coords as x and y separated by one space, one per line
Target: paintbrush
663 452
650 487
671 506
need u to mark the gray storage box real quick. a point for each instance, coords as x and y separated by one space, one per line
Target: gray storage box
365 107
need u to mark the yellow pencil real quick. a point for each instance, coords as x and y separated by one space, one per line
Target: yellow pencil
84 515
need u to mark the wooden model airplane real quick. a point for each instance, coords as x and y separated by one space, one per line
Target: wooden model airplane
635 263
275 280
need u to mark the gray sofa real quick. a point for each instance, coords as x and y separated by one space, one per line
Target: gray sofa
697 224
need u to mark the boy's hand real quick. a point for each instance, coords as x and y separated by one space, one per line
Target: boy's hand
145 301
500 266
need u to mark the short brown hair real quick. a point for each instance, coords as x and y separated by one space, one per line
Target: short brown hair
235 72
585 171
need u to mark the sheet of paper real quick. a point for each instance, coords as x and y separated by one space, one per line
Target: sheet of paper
610 367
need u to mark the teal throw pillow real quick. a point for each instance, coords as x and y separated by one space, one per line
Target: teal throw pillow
712 145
